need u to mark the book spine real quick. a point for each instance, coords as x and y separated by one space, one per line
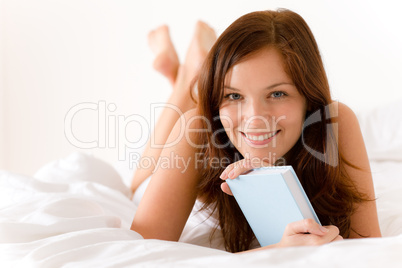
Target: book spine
300 196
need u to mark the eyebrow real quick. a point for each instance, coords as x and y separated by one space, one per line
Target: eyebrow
269 87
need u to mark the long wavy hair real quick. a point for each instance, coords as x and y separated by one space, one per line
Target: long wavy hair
322 174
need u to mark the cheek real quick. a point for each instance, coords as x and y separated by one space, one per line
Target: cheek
293 121
228 118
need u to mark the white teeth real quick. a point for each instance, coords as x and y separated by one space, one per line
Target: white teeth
259 137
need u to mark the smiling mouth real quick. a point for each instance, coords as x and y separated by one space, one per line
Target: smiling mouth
259 138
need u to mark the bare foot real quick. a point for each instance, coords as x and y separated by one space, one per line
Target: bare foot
166 61
203 39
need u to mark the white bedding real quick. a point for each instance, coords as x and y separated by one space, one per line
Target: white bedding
77 212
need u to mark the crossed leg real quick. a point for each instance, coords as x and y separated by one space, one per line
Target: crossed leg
180 76
166 60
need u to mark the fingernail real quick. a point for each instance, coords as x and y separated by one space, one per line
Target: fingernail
323 229
223 175
231 174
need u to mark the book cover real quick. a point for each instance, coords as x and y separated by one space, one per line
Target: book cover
271 198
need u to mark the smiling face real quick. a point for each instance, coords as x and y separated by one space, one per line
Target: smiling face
262 111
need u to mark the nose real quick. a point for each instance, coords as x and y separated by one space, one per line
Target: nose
255 112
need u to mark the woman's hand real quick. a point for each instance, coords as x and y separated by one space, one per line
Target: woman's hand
308 233
305 233
235 169
300 233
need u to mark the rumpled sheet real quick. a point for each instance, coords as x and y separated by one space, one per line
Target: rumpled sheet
77 212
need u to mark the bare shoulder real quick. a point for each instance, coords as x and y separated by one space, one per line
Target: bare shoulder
191 113
345 114
351 145
193 119
189 120
182 135
188 127
349 134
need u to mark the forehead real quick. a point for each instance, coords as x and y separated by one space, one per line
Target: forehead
264 67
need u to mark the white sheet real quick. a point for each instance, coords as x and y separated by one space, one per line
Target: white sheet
77 212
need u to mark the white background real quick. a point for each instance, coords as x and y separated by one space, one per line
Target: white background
57 54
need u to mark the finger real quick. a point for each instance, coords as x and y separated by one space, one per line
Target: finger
230 170
226 189
239 168
331 236
235 169
338 238
306 226
245 165
225 173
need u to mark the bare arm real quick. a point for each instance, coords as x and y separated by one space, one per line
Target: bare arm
365 219
171 193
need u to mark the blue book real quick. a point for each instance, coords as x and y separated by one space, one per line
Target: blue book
271 198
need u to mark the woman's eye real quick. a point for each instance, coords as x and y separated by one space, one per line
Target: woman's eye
278 94
233 96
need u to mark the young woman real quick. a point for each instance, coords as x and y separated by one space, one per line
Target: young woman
262 98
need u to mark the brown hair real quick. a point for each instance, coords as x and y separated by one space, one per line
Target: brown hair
331 192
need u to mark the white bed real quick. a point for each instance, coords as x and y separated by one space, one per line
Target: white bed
76 212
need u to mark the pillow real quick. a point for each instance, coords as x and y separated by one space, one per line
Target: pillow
382 131
82 167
